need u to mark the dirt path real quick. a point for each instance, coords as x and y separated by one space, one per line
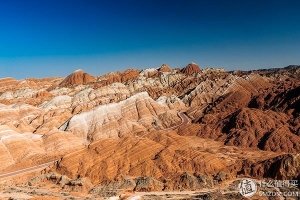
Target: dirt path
29 169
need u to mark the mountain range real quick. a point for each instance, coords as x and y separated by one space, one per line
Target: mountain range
190 132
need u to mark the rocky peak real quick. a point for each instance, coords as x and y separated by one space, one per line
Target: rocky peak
164 68
78 77
190 69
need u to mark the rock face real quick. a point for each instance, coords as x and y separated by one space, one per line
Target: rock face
136 114
154 161
283 167
223 112
151 130
266 130
190 69
78 77
172 102
42 94
129 74
35 148
8 82
149 72
164 68
122 77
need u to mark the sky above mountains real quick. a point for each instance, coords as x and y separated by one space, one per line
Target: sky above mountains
54 38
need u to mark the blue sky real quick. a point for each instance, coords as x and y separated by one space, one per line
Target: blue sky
41 38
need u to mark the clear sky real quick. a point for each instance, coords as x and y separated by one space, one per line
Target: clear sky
40 38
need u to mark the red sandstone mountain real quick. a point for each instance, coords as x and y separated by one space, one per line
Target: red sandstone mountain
190 69
123 76
121 132
78 77
164 68
8 81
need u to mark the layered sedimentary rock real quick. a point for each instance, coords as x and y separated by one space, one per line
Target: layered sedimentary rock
137 113
190 68
223 112
164 68
78 77
8 82
127 130
122 77
29 149
149 72
172 102
166 161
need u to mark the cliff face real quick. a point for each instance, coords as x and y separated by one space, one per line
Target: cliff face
127 129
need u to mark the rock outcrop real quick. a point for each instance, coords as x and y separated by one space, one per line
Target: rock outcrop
114 77
157 129
164 68
78 77
190 69
139 113
156 158
149 72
